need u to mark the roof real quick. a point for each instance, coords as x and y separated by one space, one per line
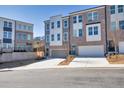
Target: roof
16 20
86 9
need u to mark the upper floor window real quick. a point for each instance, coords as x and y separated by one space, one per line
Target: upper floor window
79 18
7 34
113 26
20 26
5 23
52 37
95 30
65 36
89 16
90 32
52 25
10 24
29 37
112 9
120 8
95 15
58 24
24 27
75 19
92 16
47 38
18 36
58 37
29 27
47 26
121 25
65 23
80 33
24 36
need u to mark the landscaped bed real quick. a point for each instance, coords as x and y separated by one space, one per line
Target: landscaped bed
116 59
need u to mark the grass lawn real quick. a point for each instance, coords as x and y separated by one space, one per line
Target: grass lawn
116 59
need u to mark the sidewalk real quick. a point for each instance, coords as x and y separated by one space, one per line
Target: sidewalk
77 62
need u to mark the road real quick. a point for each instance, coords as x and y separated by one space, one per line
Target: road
63 78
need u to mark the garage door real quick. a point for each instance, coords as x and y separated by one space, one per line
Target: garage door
88 51
58 53
121 47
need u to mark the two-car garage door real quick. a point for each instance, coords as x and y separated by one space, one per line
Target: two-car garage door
97 50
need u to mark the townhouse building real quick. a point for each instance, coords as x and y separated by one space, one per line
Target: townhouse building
23 36
11 38
90 32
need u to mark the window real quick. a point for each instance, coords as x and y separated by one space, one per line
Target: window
121 25
95 30
47 26
47 38
90 31
52 25
95 16
58 24
29 27
112 9
65 23
74 19
113 26
58 37
80 33
24 27
9 35
5 34
29 37
18 36
10 24
65 36
120 8
24 37
52 37
89 16
79 18
20 26
5 23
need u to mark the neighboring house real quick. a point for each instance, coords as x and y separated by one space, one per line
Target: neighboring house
115 28
24 36
39 46
91 32
15 35
7 34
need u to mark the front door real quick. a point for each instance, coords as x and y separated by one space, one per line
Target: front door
111 46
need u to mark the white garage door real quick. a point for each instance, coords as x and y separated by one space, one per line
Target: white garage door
121 47
88 51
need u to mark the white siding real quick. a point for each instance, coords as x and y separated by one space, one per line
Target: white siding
93 37
56 31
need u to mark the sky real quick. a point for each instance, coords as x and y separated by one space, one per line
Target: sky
36 14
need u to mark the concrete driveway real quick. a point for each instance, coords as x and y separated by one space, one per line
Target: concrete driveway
89 62
49 63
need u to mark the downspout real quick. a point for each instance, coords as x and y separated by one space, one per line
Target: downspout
69 37
106 23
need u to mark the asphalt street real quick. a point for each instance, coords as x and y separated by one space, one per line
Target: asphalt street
63 78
